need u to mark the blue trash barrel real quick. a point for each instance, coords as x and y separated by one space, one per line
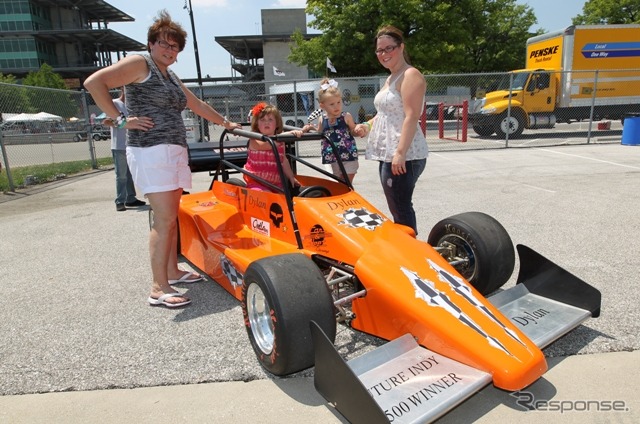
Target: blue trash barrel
631 129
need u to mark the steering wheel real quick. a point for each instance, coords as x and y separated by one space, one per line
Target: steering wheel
315 191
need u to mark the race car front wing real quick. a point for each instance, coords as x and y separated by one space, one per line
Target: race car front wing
403 382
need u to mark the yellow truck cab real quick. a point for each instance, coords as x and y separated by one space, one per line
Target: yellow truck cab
574 74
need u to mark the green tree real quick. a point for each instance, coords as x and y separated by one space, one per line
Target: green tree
13 98
609 12
442 36
52 96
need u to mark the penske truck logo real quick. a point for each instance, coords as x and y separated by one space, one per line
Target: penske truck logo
607 50
544 52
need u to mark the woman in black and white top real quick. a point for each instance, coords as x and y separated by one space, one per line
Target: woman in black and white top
156 142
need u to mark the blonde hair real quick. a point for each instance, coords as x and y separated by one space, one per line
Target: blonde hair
328 92
260 111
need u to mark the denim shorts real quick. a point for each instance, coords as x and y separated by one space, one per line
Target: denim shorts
160 168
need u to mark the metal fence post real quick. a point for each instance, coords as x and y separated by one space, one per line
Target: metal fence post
593 105
7 168
506 133
92 151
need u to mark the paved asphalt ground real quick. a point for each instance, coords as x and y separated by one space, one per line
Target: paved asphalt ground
81 345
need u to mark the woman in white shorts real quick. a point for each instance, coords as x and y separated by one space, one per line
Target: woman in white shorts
156 143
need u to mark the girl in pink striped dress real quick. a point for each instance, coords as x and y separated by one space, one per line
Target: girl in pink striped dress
266 119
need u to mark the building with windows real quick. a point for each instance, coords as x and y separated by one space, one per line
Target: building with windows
264 57
72 36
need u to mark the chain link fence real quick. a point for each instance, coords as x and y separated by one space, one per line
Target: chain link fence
43 126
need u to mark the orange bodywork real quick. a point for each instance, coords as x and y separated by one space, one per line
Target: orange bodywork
410 288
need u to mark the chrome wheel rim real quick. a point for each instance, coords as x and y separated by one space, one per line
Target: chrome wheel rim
259 315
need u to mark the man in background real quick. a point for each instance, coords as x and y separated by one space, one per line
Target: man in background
125 189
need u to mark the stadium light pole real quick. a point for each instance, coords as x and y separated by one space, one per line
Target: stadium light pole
195 51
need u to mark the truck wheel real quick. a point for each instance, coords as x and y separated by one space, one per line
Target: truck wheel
481 245
483 131
514 125
76 138
280 296
96 137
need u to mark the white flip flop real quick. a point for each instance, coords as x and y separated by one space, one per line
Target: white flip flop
162 300
185 278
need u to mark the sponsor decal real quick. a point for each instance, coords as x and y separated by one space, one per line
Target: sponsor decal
260 226
361 218
317 235
229 193
276 214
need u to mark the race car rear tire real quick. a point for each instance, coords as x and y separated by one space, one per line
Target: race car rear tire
280 296
482 243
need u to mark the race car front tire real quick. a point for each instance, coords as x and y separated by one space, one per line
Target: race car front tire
481 245
280 296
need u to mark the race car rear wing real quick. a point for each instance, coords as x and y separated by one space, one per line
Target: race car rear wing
402 382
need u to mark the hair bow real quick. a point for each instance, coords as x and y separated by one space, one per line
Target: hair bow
329 84
258 108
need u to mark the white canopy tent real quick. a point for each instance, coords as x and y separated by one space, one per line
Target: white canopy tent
30 117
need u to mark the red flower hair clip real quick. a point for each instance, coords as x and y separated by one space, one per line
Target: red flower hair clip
258 108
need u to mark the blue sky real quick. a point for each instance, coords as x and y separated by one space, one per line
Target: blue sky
242 17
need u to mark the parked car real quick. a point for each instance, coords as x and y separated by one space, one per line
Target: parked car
98 132
450 111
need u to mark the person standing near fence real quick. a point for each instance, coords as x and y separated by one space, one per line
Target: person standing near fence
157 143
395 139
125 189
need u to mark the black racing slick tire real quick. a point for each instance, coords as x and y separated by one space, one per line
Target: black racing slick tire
280 296
478 247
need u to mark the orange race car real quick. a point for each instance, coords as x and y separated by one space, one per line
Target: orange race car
303 260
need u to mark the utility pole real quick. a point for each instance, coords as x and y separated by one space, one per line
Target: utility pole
201 121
